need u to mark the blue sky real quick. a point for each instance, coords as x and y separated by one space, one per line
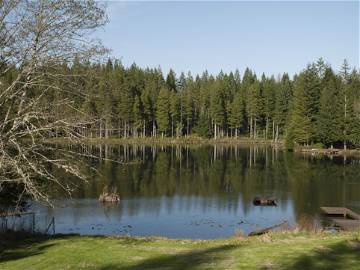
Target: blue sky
270 37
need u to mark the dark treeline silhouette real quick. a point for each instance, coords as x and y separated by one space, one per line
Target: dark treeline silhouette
315 106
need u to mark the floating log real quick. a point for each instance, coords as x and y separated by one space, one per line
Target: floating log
284 224
264 202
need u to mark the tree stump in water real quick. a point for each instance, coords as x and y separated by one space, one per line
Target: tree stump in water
264 202
107 196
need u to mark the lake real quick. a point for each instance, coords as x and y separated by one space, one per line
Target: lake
201 192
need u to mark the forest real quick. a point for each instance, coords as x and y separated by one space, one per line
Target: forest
315 106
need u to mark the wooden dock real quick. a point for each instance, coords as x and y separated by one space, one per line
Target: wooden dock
343 217
347 224
343 212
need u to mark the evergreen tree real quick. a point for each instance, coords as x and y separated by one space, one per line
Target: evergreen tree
134 101
171 81
188 109
354 109
300 126
236 114
312 89
348 115
163 112
330 116
269 87
137 116
254 107
202 128
283 95
176 126
218 109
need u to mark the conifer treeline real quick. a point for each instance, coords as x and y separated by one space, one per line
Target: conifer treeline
315 106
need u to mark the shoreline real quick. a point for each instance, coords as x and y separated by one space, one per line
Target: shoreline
197 141
327 151
168 141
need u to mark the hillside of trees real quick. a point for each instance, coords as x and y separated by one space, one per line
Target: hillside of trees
315 106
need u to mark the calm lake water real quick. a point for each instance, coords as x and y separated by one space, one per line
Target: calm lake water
202 192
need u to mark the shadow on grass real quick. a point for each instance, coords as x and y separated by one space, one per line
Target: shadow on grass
15 246
344 255
184 261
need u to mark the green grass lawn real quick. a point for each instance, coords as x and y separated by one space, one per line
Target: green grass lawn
272 251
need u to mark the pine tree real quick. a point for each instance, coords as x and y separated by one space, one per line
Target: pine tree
137 116
354 108
236 114
175 114
312 89
202 128
347 100
299 126
171 81
188 109
218 109
254 105
330 115
269 87
163 112
283 95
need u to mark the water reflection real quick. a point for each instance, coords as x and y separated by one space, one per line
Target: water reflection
204 192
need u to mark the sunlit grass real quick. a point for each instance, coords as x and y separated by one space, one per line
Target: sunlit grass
271 251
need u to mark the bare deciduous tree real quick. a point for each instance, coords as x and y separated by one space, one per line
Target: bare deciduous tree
37 38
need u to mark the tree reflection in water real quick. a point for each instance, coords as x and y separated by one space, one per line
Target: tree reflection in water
208 185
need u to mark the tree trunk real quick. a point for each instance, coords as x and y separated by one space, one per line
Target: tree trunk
100 132
345 116
125 129
215 131
266 128
255 131
187 126
144 128
154 129
106 129
273 131
119 129
251 128
172 126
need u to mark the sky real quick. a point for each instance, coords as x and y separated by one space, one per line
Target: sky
266 36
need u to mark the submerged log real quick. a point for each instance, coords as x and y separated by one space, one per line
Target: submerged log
264 202
284 225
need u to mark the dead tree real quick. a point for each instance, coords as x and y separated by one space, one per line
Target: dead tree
37 38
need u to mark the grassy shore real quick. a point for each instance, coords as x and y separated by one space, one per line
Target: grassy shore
198 141
327 151
191 140
287 250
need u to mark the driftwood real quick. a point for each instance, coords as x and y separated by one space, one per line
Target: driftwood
109 196
284 224
264 202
